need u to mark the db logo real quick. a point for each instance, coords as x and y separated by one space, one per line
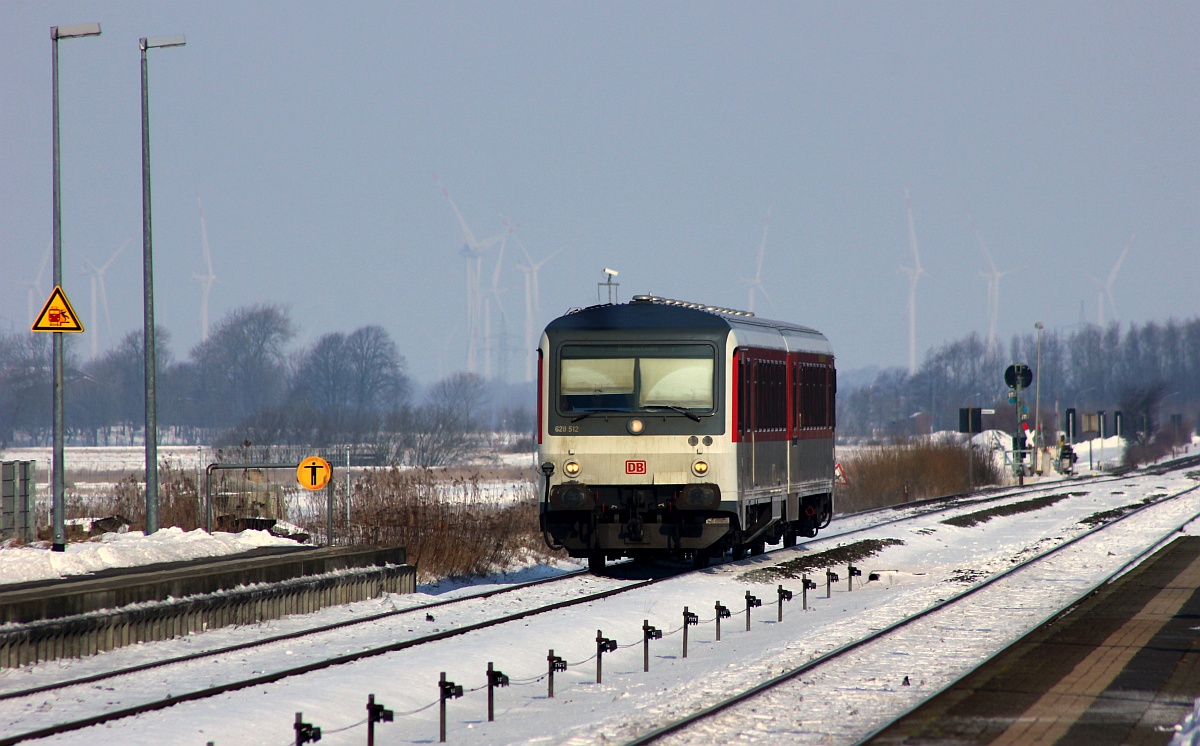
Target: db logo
635 467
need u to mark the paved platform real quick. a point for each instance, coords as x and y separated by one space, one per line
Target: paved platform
65 597
1120 667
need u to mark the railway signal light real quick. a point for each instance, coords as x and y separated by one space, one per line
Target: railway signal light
376 713
305 732
556 665
1018 376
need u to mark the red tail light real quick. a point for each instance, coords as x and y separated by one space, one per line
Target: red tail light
540 394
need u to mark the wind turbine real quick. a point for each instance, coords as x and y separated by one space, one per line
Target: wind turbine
472 250
756 283
35 287
493 298
206 280
97 281
914 273
993 279
532 303
1105 288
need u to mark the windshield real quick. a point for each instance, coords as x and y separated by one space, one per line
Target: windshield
636 378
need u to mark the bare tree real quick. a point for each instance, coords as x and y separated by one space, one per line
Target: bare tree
377 381
442 431
241 367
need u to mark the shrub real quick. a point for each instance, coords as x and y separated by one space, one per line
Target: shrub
449 524
907 471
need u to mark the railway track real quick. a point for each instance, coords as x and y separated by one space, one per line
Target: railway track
323 661
732 719
625 570
29 695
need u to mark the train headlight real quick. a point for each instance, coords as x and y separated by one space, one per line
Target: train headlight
572 469
700 467
635 426
701 497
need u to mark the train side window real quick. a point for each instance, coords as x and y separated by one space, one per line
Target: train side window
833 397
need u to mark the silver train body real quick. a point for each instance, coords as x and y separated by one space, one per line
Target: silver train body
672 429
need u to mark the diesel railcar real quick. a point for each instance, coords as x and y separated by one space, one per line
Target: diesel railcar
668 428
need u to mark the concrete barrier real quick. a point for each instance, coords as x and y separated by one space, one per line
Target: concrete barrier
43 600
80 635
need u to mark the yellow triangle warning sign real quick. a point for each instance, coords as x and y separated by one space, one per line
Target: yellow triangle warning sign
57 315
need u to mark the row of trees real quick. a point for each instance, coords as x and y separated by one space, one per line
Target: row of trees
1146 371
245 384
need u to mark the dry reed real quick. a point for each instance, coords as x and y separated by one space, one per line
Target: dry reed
907 471
449 524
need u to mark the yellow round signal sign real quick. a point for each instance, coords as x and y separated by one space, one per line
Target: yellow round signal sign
313 473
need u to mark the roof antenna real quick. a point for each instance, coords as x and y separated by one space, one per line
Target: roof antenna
609 274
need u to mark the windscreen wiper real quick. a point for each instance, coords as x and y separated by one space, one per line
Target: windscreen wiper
690 415
591 412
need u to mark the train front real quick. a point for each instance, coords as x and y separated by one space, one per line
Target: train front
633 432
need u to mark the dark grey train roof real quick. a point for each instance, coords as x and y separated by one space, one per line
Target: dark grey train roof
661 313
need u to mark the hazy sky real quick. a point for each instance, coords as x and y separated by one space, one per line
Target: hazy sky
652 138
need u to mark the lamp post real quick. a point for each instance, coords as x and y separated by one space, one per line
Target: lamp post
1037 403
148 291
58 479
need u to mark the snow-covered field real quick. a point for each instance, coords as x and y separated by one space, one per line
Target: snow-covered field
935 560
133 458
21 564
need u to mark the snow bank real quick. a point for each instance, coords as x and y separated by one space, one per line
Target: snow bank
1188 732
22 564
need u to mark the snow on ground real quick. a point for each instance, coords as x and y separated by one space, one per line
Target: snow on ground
133 458
21 564
111 458
935 560
1187 733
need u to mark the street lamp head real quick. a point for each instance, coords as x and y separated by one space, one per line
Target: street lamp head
1038 326
70 32
175 40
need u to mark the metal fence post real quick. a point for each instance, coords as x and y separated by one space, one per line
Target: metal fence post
329 509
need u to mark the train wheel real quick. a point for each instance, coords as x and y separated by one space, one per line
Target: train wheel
739 552
789 538
758 548
700 559
596 563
